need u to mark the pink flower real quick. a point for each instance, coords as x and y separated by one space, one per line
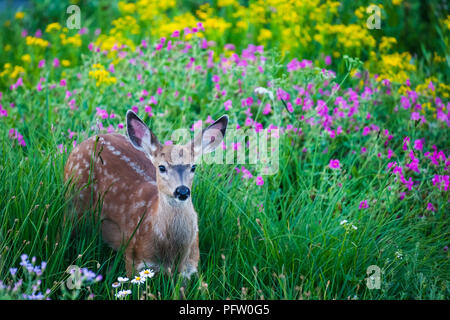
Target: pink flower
334 164
55 63
41 64
102 113
227 104
63 83
363 204
418 144
196 125
267 109
289 107
430 207
390 153
148 109
328 60
259 181
215 78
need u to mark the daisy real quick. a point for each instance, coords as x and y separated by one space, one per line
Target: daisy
138 280
147 273
122 280
123 293
115 284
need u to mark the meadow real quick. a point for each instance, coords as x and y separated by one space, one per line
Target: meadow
360 117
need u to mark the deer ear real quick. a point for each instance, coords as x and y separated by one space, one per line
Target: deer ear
212 136
141 137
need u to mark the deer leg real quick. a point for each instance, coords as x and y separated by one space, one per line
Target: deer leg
191 264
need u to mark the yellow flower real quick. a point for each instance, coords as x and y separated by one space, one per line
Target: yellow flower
242 25
446 22
26 58
126 8
7 48
16 72
264 35
65 63
397 2
75 40
33 41
101 75
226 3
53 27
387 43
20 15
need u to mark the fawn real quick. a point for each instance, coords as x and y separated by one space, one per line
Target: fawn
146 193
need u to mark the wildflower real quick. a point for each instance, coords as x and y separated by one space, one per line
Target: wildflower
138 280
123 293
13 271
418 144
334 164
19 15
430 207
122 280
259 181
115 285
363 204
227 104
262 91
147 273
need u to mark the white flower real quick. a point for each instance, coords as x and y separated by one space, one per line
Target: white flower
354 227
343 222
261 90
122 280
138 280
123 293
398 255
147 273
115 285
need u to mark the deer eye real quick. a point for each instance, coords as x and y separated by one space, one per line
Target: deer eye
162 169
193 168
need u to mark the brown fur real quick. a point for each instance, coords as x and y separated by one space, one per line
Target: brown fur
168 232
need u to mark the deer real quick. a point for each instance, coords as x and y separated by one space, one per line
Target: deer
145 188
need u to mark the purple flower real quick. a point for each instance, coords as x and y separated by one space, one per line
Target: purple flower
334 164
227 104
259 181
363 204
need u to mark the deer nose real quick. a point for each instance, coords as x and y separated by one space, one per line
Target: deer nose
182 193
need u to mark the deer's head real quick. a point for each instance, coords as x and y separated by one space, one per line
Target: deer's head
175 164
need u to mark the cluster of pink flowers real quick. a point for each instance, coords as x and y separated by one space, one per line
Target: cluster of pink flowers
14 134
